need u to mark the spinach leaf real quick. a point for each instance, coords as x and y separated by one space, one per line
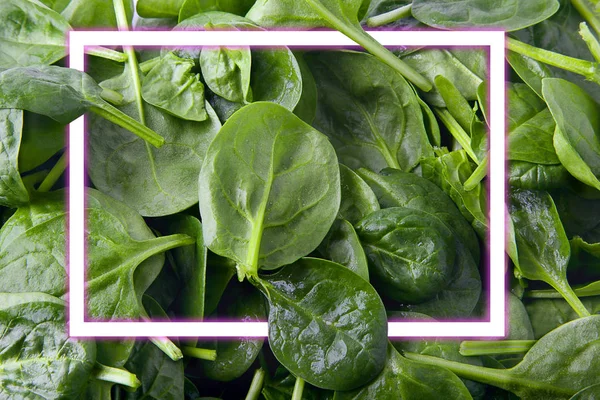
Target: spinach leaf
89 13
341 245
400 189
551 369
161 377
36 353
141 176
340 15
578 214
358 200
526 175
327 325
548 314
589 393
519 324
535 217
158 8
373 117
37 88
171 87
529 70
269 188
577 121
12 190
193 7
450 171
411 253
31 34
235 356
466 69
510 15
306 108
226 72
404 379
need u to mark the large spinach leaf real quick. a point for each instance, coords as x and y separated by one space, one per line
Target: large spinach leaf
370 113
141 176
269 188
12 190
327 325
36 354
509 15
30 34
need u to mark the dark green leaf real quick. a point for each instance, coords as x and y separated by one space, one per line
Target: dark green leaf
341 245
358 200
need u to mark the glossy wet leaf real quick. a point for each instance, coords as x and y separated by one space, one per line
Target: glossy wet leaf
509 15
342 245
36 353
30 34
411 253
141 176
170 86
358 200
373 117
576 142
529 70
404 379
12 190
269 188
526 175
327 325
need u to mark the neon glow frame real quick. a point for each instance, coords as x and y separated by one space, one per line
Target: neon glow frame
495 40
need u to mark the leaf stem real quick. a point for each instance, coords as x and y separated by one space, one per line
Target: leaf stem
147 65
298 389
390 16
371 45
477 175
588 69
456 131
567 293
256 385
167 347
591 289
113 97
494 347
202 354
590 40
103 52
112 114
54 174
131 58
587 14
115 375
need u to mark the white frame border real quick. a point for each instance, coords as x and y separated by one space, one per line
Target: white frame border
495 327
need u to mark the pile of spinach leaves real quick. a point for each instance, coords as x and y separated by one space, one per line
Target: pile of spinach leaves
325 192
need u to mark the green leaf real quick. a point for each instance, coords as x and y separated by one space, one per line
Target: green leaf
41 138
509 15
90 13
159 8
269 188
589 393
171 87
358 200
341 245
529 70
404 379
141 176
306 108
411 253
526 175
36 353
226 72
373 118
193 7
548 314
31 34
12 190
327 325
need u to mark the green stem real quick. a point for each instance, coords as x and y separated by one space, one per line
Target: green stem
146 66
591 289
502 378
131 58
103 52
586 68
456 131
567 293
494 347
112 114
54 174
371 45
115 375
298 389
202 354
587 14
256 385
114 98
477 175
590 40
390 16
167 347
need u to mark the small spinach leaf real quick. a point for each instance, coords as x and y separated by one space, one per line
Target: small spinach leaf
12 190
358 200
341 245
193 7
226 72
